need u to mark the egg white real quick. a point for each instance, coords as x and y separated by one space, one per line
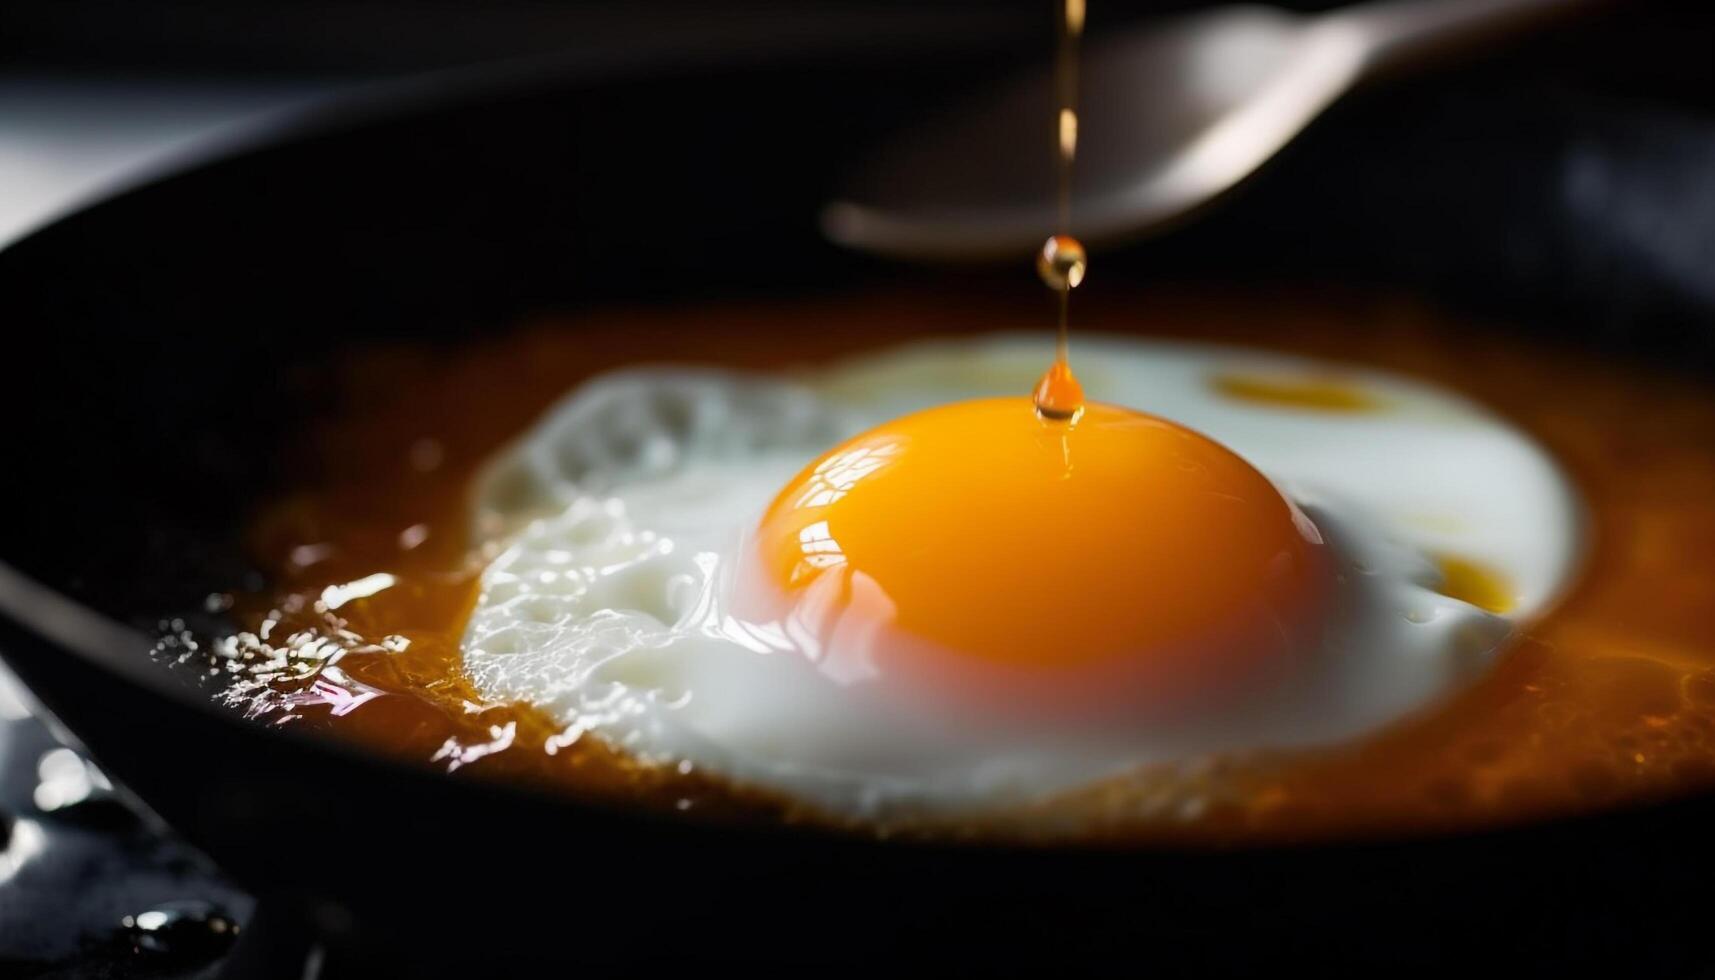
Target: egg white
617 521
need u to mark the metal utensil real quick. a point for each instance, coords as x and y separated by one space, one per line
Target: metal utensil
1171 116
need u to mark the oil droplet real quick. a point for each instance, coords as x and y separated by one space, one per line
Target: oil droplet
1058 395
183 932
1061 263
1068 133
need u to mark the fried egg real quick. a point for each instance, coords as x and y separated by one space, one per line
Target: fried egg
890 589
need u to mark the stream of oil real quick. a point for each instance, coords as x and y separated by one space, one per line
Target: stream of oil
1062 262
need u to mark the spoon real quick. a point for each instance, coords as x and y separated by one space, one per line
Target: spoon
1172 115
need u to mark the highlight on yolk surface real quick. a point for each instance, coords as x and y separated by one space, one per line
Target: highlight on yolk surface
1115 557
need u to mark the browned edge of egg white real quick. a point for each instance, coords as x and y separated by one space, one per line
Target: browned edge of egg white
1608 700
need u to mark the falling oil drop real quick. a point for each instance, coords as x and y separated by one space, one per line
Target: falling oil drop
1058 395
1061 264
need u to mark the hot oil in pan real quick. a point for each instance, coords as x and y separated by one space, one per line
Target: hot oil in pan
1611 698
375 578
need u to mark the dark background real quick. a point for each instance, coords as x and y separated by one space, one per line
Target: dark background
363 36
1598 132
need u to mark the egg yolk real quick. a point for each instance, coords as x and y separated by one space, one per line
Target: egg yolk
1117 550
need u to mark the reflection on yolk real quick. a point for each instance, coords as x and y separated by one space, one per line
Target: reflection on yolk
1115 541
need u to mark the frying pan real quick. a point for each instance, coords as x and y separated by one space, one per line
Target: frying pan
165 342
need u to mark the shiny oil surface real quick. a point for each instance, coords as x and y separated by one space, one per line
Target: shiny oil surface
1609 699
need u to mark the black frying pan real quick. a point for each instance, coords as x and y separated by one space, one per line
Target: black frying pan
163 343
